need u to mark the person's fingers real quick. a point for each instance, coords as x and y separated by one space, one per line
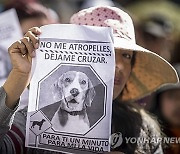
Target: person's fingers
29 46
35 30
17 47
34 39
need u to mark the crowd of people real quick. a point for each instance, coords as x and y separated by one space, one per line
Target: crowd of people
146 93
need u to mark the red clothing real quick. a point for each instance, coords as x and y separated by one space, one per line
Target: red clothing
175 147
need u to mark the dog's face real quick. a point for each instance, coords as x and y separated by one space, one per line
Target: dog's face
75 90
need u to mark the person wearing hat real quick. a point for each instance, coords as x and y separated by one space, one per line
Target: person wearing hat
139 76
165 105
157 35
138 71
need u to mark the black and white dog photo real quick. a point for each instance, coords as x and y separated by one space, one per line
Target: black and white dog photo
75 93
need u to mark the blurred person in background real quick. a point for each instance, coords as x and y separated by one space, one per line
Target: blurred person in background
166 106
156 32
32 14
176 54
163 15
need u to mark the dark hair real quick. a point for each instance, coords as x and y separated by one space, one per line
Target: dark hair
27 10
126 116
133 59
132 121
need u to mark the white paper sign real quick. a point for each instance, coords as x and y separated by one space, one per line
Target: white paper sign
5 65
71 90
10 30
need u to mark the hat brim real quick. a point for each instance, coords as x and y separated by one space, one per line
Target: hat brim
149 72
169 87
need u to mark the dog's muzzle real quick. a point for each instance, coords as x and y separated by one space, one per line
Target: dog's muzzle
73 101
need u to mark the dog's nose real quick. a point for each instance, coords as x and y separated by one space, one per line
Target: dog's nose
74 92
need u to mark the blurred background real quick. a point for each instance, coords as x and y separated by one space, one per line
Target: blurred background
157 28
156 21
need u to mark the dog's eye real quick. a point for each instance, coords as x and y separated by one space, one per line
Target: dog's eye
83 82
67 79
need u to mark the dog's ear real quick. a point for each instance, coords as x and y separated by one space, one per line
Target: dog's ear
90 94
57 90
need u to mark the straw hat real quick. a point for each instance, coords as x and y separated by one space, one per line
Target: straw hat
171 86
150 71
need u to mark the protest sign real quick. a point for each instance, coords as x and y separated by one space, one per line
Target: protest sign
5 65
10 32
71 89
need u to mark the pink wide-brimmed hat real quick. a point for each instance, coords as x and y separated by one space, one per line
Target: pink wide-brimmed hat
150 71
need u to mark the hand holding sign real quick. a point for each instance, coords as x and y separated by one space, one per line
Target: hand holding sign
71 89
22 52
